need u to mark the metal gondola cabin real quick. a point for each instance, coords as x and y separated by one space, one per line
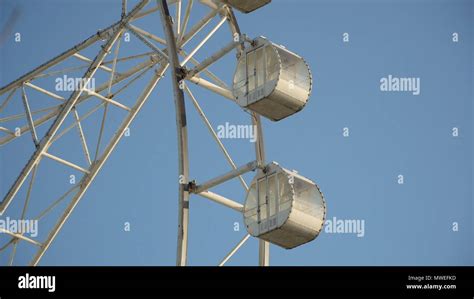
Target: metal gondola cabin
246 6
271 81
284 208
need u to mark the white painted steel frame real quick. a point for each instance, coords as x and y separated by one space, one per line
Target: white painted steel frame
46 140
174 44
181 125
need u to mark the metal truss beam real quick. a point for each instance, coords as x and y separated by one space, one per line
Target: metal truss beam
64 111
95 168
251 166
181 124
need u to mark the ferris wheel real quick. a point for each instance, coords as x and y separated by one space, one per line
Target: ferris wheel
281 206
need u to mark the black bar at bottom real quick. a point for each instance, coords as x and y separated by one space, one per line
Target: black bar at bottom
135 282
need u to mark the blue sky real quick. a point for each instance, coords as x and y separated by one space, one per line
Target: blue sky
391 134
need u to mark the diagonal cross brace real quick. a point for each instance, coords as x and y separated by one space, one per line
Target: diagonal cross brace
65 110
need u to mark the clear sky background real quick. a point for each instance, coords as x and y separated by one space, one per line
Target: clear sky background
391 134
